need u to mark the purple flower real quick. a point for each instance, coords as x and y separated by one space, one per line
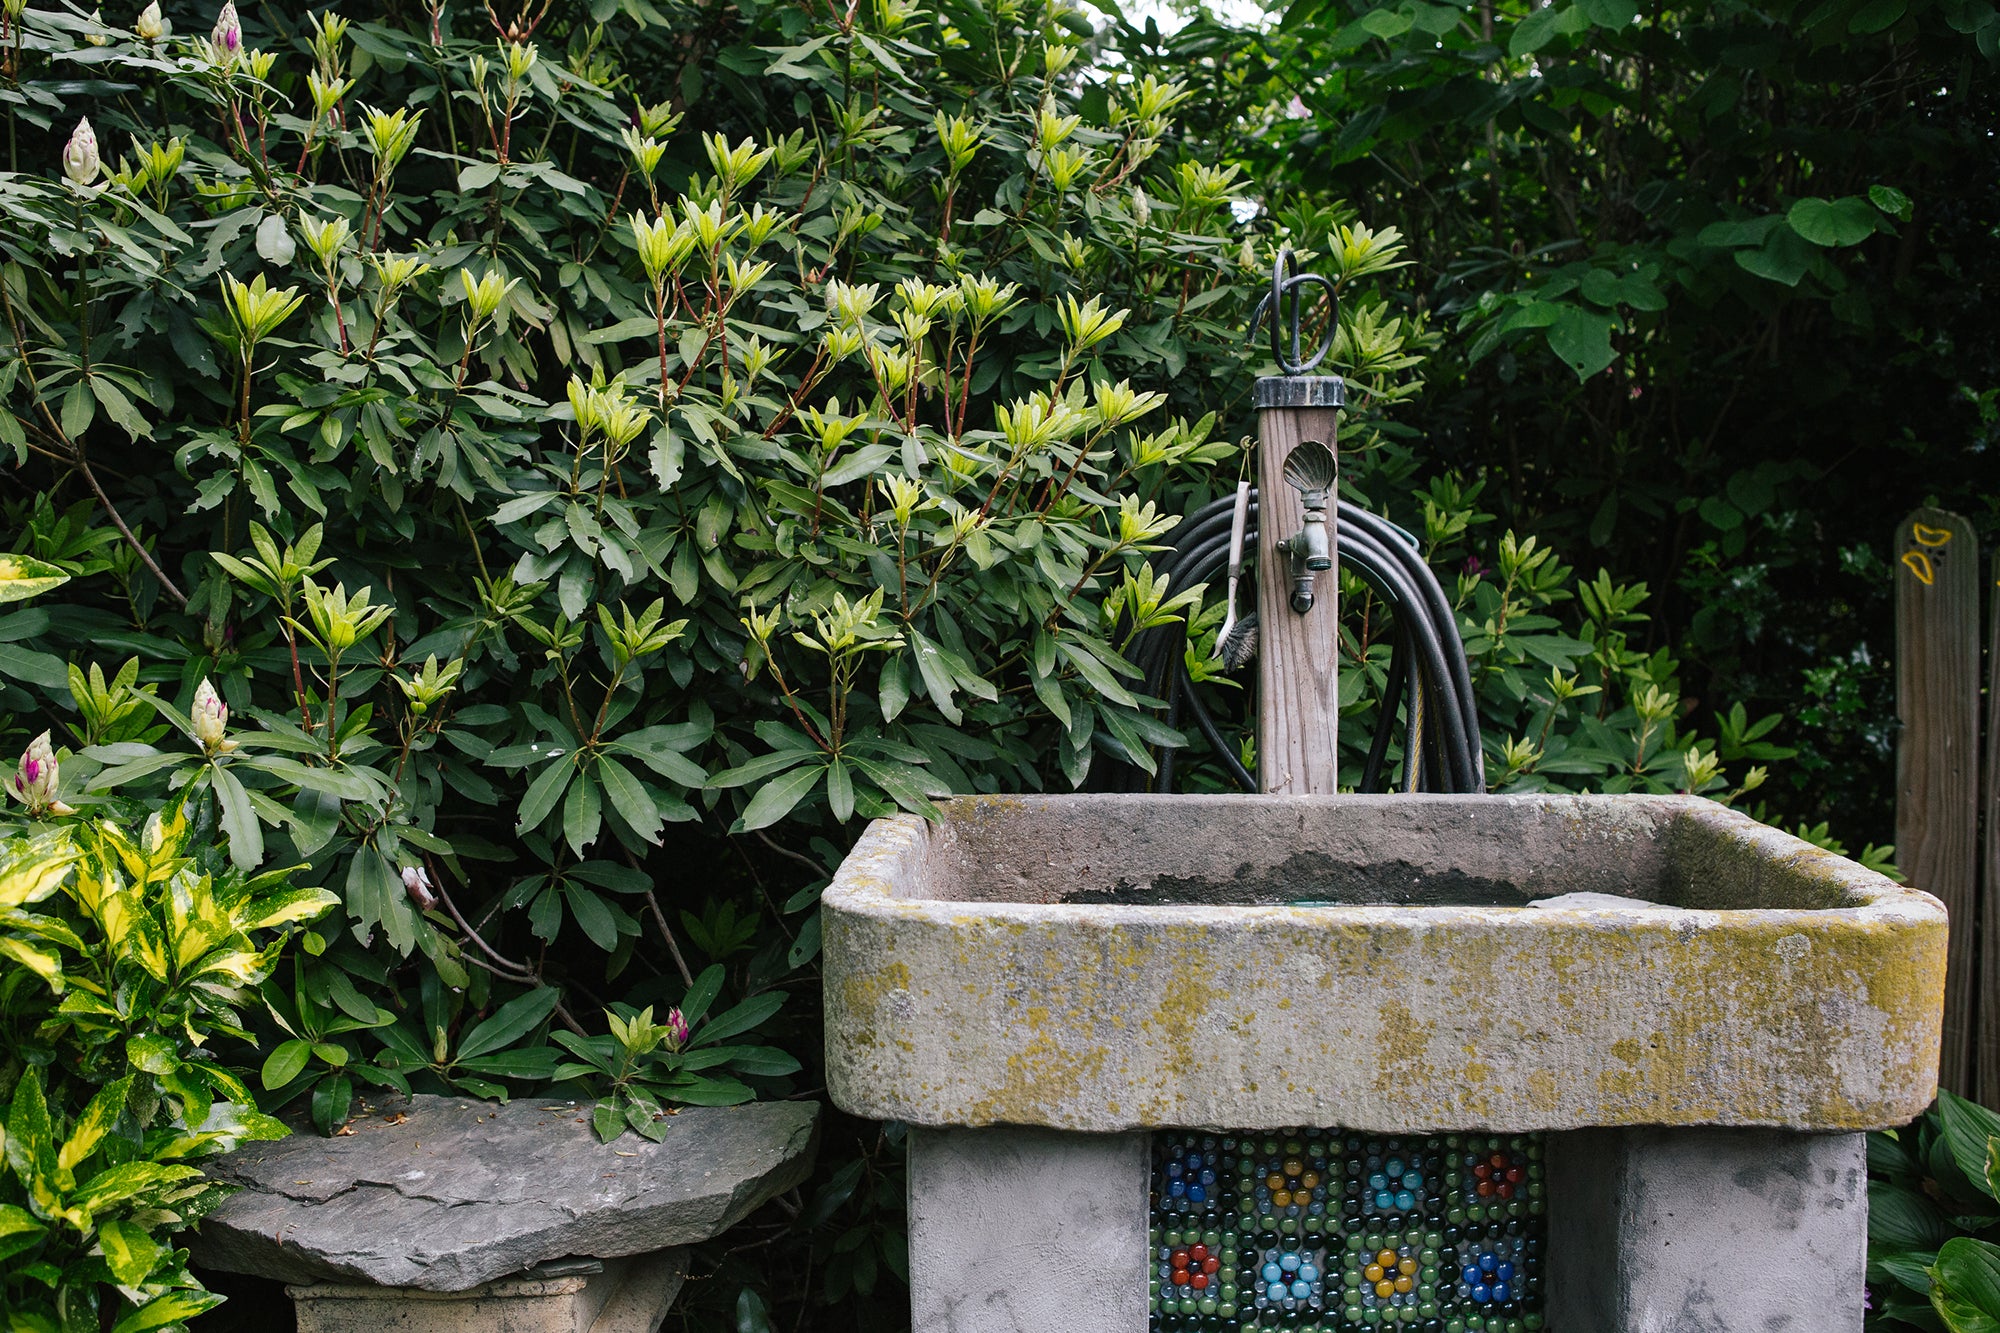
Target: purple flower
1473 568
677 1030
228 35
34 783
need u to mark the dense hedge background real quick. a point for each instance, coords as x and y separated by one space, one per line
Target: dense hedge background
747 419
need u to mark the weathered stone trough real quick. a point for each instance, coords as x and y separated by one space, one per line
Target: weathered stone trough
1700 1012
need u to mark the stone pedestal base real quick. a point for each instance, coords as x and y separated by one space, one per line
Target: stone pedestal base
1707 1231
1036 1230
625 1296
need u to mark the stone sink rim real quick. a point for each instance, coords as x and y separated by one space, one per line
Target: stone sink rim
1010 1033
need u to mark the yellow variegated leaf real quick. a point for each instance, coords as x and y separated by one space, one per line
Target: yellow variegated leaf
32 869
145 945
22 577
280 908
44 963
95 1122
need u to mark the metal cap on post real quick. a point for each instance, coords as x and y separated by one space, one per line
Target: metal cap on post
1298 416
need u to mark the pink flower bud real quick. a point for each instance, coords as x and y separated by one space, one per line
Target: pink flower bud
417 883
211 719
79 160
677 1029
34 783
228 35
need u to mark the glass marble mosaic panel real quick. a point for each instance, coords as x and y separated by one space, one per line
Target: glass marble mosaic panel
1317 1231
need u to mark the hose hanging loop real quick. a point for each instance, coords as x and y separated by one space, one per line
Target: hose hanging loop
1287 321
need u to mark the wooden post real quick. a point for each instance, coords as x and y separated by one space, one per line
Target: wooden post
1937 754
1298 712
1986 998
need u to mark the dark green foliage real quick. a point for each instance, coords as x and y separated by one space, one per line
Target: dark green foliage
596 477
1718 280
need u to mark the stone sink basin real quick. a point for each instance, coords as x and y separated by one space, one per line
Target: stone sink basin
1384 963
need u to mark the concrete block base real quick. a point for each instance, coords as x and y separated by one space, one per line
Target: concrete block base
1707 1231
1027 1229
625 1296
1688 1230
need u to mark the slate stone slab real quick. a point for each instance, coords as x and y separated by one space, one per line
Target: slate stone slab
445 1193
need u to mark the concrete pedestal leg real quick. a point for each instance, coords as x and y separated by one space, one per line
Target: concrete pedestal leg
626 1296
1027 1231
1707 1231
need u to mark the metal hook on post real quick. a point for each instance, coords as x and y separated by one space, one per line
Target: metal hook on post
1285 283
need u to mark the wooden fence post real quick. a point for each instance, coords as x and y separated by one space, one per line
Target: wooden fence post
1937 753
1987 998
1298 669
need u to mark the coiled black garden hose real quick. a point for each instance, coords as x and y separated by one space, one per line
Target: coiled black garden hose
1428 677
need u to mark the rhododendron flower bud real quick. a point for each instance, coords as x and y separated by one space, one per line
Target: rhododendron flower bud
228 35
211 719
417 883
34 783
80 161
151 24
677 1029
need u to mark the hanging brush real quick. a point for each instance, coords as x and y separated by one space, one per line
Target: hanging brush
1236 641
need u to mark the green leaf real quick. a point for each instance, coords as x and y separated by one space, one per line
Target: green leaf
936 676
510 1022
1836 222
173 1308
741 1019
1534 32
630 799
286 1062
1784 258
583 813
1582 338
1969 1129
1891 201
1877 15
128 1251
22 577
775 799
594 915
239 819
1613 14
1965 1285
79 409
543 793
153 1053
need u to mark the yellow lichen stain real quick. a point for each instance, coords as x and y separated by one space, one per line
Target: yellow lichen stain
1402 1059
1040 1078
1629 1050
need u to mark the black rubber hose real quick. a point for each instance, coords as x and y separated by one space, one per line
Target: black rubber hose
1441 615
1446 718
1428 660
1160 653
1392 690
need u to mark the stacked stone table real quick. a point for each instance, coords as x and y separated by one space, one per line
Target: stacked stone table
449 1215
